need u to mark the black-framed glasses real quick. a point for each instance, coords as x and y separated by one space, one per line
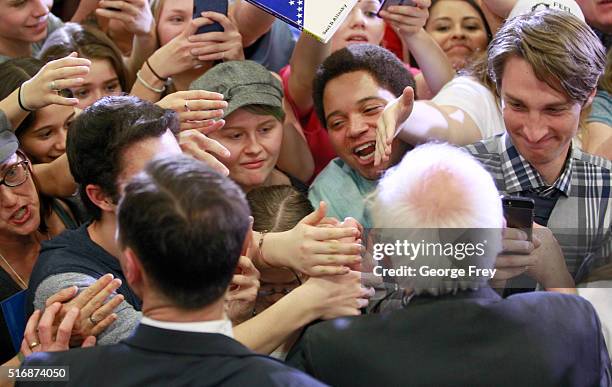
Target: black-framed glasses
16 174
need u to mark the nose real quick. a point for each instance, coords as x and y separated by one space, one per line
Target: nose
458 32
39 8
8 198
60 144
357 127
253 147
98 93
535 127
356 18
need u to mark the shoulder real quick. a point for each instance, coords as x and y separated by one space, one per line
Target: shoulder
591 161
275 373
487 151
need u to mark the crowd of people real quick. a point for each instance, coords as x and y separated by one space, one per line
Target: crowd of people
184 208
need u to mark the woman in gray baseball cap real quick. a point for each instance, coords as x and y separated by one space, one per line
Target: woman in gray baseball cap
253 130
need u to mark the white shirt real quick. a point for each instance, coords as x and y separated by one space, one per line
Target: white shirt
223 327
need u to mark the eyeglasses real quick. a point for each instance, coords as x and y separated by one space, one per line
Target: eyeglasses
16 174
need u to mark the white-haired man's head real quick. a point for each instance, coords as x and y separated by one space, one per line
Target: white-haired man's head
439 187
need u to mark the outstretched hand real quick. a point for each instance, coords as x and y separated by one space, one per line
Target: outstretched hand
43 89
390 122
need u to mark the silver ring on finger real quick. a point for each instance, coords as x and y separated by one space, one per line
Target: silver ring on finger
53 86
93 321
187 107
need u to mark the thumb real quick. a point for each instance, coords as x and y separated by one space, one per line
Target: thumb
314 218
407 97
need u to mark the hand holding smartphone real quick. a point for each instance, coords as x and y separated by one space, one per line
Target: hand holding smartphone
519 212
387 3
219 6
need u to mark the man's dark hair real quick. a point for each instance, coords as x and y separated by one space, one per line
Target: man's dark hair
388 71
97 138
187 224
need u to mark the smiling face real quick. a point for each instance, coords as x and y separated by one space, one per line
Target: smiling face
540 120
254 143
24 20
361 26
352 103
458 29
174 17
101 81
19 206
45 139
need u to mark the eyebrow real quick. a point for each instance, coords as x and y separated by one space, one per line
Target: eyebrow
116 79
552 104
364 99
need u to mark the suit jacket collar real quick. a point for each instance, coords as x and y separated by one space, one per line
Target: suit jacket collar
186 343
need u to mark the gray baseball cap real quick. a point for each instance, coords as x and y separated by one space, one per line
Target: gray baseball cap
242 83
8 141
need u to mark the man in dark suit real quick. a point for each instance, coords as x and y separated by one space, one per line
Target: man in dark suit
452 329
181 228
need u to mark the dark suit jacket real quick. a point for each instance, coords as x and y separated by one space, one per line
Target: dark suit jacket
469 339
161 357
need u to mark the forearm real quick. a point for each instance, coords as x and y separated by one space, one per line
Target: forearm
251 21
14 113
85 8
432 61
295 156
429 121
501 8
146 92
264 334
308 54
54 178
142 48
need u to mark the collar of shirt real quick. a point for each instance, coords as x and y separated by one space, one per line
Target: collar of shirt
520 176
223 327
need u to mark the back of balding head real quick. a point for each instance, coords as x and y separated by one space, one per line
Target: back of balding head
437 186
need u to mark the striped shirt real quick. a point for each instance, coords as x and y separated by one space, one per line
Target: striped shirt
580 219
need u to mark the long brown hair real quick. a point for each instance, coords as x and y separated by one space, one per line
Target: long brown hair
90 43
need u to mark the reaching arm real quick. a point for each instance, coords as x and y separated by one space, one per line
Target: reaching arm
307 56
251 21
54 178
318 298
408 22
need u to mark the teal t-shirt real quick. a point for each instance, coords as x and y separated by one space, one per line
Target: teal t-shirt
344 190
602 108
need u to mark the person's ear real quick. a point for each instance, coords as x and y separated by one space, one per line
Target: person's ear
590 99
100 198
132 269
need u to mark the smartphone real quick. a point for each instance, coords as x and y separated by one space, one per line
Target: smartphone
219 6
518 212
387 3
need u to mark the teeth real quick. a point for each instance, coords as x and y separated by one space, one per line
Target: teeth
364 146
371 155
20 213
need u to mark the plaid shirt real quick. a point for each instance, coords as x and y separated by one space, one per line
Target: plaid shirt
581 216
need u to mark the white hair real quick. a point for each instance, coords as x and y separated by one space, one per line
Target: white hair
435 187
